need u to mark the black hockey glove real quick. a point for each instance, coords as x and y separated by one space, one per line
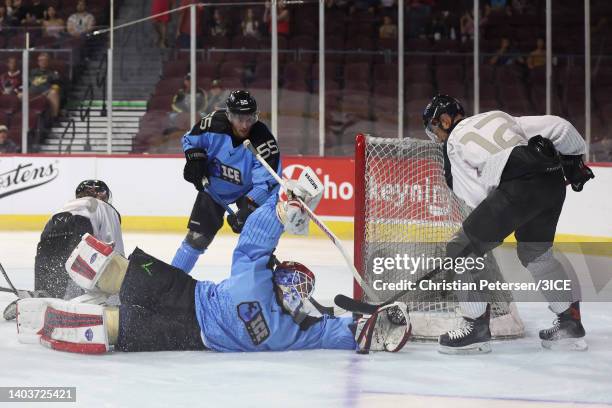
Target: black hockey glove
195 168
575 171
245 207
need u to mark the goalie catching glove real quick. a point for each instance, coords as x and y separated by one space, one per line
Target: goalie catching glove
290 212
388 329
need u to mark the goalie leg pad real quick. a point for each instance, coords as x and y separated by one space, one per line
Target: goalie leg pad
63 325
90 260
388 329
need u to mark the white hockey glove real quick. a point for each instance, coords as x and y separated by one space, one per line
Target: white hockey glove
386 330
90 259
309 189
62 325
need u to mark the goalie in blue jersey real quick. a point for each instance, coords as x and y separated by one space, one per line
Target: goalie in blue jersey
214 152
260 307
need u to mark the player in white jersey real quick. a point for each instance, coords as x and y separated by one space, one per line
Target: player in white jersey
511 171
90 212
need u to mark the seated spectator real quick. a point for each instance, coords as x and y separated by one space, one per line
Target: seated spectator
6 21
182 101
81 22
36 11
53 25
250 26
282 17
506 54
388 30
419 12
219 25
19 12
6 145
466 26
216 97
537 57
44 81
10 81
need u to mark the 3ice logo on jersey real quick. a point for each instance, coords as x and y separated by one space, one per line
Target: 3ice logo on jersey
252 316
226 173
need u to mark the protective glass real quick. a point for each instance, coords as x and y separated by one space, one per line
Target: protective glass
246 118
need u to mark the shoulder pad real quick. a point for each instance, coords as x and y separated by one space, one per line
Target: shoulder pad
265 143
215 122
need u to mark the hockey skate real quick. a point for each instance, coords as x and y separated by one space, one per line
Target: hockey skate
472 338
567 332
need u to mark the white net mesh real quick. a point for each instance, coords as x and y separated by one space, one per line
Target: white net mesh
409 209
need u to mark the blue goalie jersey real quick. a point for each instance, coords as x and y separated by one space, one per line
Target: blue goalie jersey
241 313
233 171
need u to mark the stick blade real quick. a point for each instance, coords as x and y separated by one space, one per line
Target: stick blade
353 305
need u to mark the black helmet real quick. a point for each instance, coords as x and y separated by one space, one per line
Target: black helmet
241 102
441 104
93 188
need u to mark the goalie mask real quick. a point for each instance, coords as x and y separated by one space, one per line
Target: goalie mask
295 283
94 188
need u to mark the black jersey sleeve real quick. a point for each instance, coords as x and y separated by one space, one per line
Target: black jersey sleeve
265 143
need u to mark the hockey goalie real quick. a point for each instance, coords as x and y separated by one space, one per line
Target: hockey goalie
260 307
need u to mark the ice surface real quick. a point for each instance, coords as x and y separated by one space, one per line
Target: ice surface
517 373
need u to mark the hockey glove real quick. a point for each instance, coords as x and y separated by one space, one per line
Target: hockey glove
575 171
245 207
195 168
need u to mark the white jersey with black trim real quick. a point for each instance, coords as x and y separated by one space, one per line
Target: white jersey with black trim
104 219
479 146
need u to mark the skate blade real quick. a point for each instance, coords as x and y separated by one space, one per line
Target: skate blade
476 348
570 344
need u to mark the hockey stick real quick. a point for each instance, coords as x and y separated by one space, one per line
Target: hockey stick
6 290
317 221
357 306
13 289
215 196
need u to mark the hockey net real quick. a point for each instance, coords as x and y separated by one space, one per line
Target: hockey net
404 206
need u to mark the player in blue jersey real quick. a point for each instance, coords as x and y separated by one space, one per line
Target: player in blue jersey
214 152
258 308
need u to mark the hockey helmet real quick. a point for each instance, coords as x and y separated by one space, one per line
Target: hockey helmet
439 105
296 283
94 188
242 107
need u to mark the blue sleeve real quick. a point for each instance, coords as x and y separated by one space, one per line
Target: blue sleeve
263 182
200 141
257 241
337 334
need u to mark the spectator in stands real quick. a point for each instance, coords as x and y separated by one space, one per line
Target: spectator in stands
219 25
537 57
388 29
283 18
11 79
419 12
36 12
5 20
249 25
181 102
183 28
506 54
216 97
6 144
81 22
53 25
45 81
19 11
160 23
387 7
466 26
